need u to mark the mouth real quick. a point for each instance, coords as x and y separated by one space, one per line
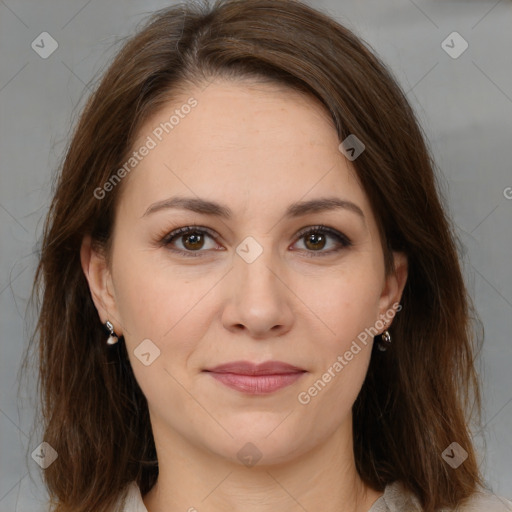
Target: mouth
256 379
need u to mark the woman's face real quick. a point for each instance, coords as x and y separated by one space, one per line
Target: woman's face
245 284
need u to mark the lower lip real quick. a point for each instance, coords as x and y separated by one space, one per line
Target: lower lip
256 384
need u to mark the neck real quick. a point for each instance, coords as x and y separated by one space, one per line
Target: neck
194 479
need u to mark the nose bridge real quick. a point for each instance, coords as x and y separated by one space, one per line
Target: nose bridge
254 259
258 298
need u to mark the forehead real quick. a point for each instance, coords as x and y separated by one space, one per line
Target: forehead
243 144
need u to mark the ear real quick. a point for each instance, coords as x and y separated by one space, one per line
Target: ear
393 287
98 275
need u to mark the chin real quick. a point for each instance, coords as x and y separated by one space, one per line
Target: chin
263 445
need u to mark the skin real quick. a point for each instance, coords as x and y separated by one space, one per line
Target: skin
255 148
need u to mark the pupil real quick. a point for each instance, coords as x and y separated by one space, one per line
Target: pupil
196 241
316 239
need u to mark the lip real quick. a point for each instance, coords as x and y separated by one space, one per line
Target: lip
248 368
256 379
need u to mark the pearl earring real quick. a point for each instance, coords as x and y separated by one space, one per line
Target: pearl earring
385 341
113 338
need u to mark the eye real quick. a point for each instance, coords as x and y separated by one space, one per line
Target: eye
316 238
192 239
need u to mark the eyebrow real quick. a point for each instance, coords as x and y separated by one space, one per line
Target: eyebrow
298 209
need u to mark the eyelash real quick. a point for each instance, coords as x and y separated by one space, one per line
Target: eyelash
343 240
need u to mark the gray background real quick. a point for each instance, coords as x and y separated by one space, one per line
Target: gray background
464 105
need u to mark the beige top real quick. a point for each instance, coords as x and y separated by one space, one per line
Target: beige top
394 499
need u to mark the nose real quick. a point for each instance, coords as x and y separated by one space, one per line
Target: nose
259 300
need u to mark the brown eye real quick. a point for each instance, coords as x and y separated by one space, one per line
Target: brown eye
193 241
189 241
316 238
315 241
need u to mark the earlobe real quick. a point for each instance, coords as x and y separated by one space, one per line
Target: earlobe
97 273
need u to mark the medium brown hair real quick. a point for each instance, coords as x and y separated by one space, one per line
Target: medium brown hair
418 396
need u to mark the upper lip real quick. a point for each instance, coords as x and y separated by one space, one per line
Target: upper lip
248 368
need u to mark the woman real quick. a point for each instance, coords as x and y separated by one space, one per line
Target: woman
251 297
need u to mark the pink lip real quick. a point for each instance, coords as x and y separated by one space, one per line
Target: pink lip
256 379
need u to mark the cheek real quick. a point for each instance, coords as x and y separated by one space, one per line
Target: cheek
164 305
342 303
344 307
341 353
149 299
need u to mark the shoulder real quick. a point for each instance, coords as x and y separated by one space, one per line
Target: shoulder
397 498
486 501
